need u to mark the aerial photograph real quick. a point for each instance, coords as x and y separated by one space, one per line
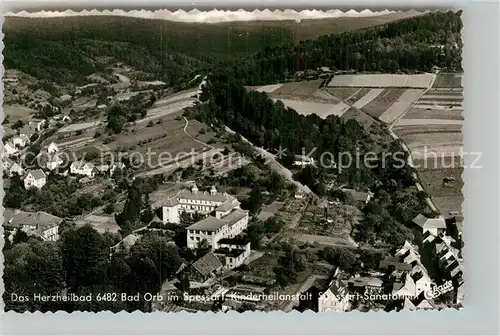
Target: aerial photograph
266 160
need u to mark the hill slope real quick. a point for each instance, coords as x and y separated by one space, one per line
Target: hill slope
67 49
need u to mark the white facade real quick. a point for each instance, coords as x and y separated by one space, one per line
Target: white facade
226 227
51 234
236 259
10 148
53 162
37 124
15 168
330 302
20 141
170 214
194 201
82 168
35 179
52 148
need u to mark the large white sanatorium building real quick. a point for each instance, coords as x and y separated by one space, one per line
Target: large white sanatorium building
221 228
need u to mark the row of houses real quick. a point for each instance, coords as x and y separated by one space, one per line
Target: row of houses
403 281
23 137
51 159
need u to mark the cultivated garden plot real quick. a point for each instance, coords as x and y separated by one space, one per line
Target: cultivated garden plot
383 101
401 105
445 185
342 93
371 95
382 80
432 113
360 93
304 88
448 80
429 121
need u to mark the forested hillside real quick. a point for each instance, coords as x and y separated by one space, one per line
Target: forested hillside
67 49
410 45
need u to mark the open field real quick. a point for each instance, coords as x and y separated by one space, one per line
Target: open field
428 121
382 102
422 114
269 210
382 81
101 224
448 204
401 105
360 93
440 144
17 112
342 93
267 88
322 110
367 98
448 80
166 109
445 187
80 127
304 88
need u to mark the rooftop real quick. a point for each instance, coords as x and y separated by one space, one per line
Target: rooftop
36 173
42 220
209 223
212 223
429 223
207 264
394 261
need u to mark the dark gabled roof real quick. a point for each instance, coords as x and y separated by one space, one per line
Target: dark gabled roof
396 263
37 174
207 264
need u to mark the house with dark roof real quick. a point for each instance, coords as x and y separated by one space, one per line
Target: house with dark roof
39 223
202 270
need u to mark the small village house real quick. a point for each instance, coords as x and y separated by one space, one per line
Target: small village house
16 168
52 148
20 141
83 168
54 161
9 148
11 167
435 226
37 124
335 298
35 178
202 270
